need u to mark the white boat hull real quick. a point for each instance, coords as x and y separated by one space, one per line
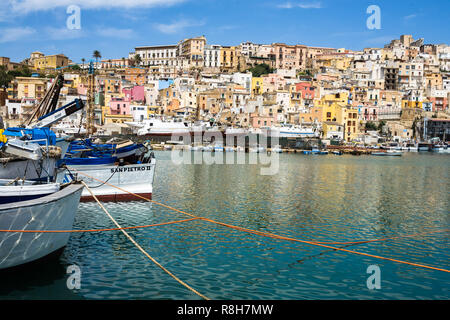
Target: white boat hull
136 179
53 212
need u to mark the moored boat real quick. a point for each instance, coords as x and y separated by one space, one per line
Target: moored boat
55 211
132 179
21 190
388 153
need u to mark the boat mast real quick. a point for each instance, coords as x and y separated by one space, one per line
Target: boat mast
90 101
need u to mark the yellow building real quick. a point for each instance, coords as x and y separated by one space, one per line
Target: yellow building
332 106
153 110
117 118
27 87
408 104
351 123
257 86
231 59
335 108
332 130
50 62
110 87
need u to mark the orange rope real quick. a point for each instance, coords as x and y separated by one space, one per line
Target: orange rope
266 234
141 249
385 239
100 230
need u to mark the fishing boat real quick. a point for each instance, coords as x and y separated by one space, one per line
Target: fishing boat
196 148
424 146
412 147
21 190
208 148
277 149
439 147
292 131
54 211
338 153
257 149
389 153
158 127
107 167
218 147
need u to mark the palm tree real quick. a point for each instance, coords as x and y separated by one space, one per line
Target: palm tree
123 62
97 55
83 60
137 59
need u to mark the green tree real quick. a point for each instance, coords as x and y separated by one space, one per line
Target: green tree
22 71
261 69
370 126
5 77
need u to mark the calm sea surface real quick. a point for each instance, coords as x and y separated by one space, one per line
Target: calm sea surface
320 198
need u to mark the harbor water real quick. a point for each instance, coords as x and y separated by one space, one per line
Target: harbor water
316 198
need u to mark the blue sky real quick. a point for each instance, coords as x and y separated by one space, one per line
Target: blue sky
115 27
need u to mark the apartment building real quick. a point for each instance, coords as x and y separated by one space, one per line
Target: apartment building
27 87
157 55
191 53
212 56
291 57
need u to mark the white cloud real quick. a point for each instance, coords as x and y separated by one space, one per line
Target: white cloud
411 16
116 33
302 5
26 6
15 34
64 33
178 26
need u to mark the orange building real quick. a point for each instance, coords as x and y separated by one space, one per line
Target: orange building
136 76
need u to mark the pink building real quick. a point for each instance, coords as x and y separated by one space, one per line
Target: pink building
439 103
119 106
259 121
273 82
134 94
82 89
368 113
307 91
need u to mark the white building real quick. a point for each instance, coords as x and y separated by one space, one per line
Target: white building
249 49
212 56
243 79
158 55
138 112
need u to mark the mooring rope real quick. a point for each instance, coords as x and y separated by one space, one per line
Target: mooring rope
101 230
270 235
141 249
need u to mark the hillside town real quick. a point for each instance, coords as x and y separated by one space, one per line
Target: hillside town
396 93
